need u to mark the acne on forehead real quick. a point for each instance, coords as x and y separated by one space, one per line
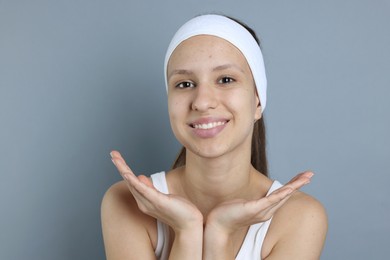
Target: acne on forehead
207 43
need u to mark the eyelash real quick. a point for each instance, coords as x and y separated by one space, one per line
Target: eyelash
223 80
180 85
230 80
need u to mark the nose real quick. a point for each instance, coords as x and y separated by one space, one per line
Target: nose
204 98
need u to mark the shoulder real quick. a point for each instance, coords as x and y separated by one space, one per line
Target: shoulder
118 198
298 229
124 226
302 207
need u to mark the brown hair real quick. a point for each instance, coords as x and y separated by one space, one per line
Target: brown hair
258 150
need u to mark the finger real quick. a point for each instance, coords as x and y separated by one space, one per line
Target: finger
300 180
134 184
130 186
146 181
142 180
129 176
270 211
307 175
143 204
118 161
275 197
116 156
148 198
137 188
263 205
144 187
122 167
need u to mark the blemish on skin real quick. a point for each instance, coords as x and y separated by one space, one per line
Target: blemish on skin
210 56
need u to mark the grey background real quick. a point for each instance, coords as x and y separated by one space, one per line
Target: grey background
79 78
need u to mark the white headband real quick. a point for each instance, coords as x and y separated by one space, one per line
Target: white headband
231 31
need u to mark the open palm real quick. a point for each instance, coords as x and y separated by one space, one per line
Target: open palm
232 215
175 211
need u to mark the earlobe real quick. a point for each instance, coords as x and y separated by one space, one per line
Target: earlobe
258 113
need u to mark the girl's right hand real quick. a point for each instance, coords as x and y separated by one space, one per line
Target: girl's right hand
175 211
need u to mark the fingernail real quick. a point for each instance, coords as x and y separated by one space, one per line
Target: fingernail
111 155
113 162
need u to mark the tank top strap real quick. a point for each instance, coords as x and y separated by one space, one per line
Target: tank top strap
161 251
160 182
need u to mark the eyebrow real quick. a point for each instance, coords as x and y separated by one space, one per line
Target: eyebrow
228 66
218 68
180 72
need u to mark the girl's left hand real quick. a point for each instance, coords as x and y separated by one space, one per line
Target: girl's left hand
233 215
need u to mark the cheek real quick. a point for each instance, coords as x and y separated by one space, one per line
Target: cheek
175 108
242 102
247 109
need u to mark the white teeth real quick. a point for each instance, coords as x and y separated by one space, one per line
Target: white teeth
209 125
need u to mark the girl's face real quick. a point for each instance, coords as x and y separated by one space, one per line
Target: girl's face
212 100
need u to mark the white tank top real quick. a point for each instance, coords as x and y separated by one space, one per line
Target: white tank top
250 248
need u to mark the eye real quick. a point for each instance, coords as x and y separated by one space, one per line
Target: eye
226 80
185 84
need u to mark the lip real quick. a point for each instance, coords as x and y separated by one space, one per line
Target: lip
208 127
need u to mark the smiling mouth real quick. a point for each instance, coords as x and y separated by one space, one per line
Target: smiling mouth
208 125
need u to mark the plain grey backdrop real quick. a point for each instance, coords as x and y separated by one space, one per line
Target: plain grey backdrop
80 78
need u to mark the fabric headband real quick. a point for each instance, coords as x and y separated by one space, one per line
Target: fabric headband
231 31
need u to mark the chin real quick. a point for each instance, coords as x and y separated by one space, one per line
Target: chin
208 151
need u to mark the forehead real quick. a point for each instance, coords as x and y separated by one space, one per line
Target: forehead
198 47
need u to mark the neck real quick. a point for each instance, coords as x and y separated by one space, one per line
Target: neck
211 181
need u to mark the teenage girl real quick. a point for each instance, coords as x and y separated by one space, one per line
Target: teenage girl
218 201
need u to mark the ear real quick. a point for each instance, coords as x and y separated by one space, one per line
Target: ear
258 112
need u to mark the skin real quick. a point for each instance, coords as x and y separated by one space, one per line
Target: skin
217 195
